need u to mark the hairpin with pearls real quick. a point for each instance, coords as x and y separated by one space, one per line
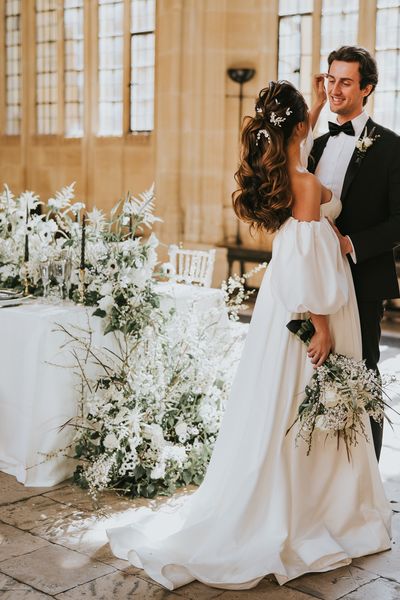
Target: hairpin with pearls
265 133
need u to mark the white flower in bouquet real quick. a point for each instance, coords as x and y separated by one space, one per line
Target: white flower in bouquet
330 398
158 471
174 453
18 221
155 433
106 303
106 288
96 251
7 270
77 207
181 430
46 230
321 423
129 246
111 441
135 418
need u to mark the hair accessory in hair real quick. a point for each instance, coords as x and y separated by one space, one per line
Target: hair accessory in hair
288 111
259 110
277 121
265 133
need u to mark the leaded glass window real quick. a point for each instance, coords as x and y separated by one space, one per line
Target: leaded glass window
13 66
110 74
295 44
46 66
73 68
387 94
142 65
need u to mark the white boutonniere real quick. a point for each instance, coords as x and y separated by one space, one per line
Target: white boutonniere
365 142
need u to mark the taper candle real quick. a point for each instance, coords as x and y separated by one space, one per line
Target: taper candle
83 242
26 252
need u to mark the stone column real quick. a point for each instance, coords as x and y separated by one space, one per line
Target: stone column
197 110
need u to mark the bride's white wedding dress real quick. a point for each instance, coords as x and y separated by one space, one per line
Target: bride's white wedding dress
265 507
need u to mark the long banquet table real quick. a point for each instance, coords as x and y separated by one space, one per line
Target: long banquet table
38 387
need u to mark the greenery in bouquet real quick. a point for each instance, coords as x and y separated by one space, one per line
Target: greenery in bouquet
340 395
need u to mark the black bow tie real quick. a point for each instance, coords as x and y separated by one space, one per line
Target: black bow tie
335 129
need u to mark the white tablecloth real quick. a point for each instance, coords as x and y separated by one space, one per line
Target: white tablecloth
37 397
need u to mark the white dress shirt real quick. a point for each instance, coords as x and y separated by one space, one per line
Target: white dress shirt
332 166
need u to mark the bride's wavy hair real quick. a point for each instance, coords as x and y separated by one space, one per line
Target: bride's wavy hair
264 198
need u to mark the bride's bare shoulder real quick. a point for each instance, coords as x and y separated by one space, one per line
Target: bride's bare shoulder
306 190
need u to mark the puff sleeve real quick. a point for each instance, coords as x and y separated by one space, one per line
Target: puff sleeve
308 272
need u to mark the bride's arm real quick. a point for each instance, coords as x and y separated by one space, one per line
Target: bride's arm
320 98
308 209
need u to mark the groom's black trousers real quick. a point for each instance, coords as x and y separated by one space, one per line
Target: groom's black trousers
371 313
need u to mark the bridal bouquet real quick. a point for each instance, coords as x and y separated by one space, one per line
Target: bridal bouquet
340 394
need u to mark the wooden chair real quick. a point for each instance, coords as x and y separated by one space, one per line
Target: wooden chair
192 266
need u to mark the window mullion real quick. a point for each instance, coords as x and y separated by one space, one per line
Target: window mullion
126 67
60 69
3 68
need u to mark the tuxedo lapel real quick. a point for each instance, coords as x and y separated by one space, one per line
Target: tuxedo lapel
316 152
354 164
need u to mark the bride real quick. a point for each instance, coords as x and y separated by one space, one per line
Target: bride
265 507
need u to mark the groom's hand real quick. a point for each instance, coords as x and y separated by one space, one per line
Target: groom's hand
345 244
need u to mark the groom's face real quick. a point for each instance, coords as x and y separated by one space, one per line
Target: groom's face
344 93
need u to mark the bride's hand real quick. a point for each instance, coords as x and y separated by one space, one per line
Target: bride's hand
320 346
319 88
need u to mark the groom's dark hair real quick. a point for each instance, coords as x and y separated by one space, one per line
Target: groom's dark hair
367 64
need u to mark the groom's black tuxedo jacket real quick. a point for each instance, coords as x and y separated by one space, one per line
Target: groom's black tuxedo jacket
371 212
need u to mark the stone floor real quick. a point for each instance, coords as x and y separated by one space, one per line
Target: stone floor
53 545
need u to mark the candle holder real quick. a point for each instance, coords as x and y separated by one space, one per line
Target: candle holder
81 285
26 279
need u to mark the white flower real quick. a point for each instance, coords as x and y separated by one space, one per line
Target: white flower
167 269
97 219
111 441
158 472
76 207
330 398
106 289
174 453
106 303
181 430
155 433
321 424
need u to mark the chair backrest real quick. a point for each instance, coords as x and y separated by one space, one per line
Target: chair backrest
192 266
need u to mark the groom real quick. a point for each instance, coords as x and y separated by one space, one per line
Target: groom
360 162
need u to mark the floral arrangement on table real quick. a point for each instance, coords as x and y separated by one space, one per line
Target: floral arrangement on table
149 417
341 393
150 408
